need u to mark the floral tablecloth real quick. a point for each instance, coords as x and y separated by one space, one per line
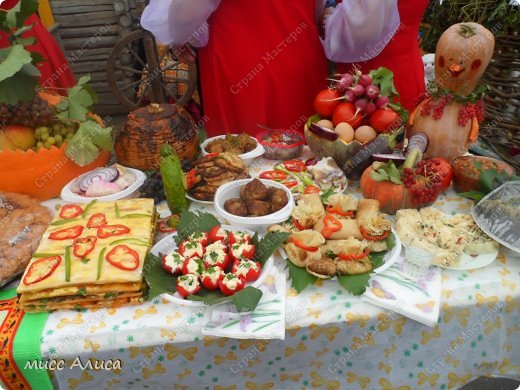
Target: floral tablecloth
333 339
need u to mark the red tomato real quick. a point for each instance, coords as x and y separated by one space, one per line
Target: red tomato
385 120
346 112
230 284
247 269
211 278
324 103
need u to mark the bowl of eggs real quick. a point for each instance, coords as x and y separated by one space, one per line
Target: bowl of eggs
341 141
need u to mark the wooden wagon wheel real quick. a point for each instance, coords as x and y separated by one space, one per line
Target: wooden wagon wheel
137 75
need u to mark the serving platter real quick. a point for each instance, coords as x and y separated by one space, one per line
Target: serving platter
168 244
468 262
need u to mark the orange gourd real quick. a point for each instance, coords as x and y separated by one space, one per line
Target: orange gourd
42 174
392 197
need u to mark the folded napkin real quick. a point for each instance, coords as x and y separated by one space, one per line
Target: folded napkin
266 322
418 299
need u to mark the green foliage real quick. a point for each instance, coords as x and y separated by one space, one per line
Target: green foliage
300 278
387 172
355 284
268 245
85 146
75 106
194 221
489 179
158 281
496 15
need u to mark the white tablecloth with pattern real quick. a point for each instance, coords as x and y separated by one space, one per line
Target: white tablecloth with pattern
333 339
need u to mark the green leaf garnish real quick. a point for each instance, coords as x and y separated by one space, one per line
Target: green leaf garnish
191 222
300 278
390 241
157 279
355 284
82 291
85 145
377 258
268 245
244 300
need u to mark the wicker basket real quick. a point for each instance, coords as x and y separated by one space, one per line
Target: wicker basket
502 104
138 144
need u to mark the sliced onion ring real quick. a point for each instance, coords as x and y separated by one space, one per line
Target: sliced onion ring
107 174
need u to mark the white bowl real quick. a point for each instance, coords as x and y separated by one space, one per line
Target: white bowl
258 224
247 158
127 193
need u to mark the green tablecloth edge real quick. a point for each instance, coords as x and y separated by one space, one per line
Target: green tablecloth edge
27 345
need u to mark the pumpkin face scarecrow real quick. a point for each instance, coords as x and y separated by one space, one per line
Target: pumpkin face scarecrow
451 112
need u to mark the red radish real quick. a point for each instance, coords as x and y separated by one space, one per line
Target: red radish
382 101
326 101
369 108
372 91
359 90
345 81
365 80
346 112
350 96
360 104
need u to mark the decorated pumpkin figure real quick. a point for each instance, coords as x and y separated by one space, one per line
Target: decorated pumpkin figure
453 107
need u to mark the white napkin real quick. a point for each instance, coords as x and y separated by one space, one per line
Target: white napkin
418 299
266 322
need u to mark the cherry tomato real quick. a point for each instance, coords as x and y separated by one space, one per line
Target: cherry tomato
325 103
346 112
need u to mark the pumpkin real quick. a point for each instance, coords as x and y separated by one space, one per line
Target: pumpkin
43 174
446 138
463 52
466 176
392 197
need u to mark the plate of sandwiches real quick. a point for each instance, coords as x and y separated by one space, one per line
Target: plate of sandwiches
91 256
456 240
341 236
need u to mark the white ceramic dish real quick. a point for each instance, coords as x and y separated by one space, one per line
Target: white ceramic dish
188 196
468 262
247 158
390 258
167 244
258 224
128 193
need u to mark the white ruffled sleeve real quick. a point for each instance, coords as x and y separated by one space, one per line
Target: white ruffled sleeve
179 21
358 30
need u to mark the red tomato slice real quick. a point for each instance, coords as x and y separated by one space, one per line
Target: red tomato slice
312 190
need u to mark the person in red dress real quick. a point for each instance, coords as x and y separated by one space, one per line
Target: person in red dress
395 46
261 61
54 70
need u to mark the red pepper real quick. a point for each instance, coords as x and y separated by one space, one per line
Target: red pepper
337 210
294 165
311 161
192 282
228 290
273 175
312 190
217 234
331 225
301 245
290 184
297 224
191 178
70 211
247 269
354 256
239 238
242 251
191 249
173 266
83 246
41 269
97 220
213 259
123 257
106 231
164 227
187 267
369 237
67 234
211 278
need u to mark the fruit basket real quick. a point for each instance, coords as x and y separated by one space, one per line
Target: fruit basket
356 118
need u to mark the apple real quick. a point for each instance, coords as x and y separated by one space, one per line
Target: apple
17 137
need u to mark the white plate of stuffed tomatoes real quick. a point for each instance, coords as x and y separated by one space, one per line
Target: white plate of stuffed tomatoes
203 246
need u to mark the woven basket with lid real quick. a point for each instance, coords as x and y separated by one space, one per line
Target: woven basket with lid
138 144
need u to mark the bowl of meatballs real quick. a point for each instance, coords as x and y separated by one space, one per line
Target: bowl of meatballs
254 203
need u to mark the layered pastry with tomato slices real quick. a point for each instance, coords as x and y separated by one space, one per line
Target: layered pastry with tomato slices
91 256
